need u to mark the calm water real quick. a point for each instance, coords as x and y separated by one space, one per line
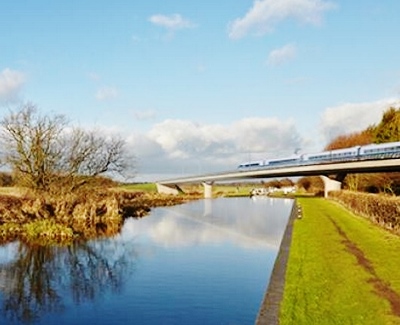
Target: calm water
205 262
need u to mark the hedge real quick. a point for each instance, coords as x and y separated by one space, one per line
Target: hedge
380 209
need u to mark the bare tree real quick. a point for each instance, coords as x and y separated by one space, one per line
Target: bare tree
45 153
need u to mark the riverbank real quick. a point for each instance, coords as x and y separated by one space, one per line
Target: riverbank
60 220
341 269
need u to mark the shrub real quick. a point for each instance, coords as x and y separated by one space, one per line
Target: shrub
46 232
9 232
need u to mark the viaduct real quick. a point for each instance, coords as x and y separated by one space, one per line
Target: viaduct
332 174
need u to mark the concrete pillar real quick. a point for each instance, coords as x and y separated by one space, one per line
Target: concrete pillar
207 190
330 185
207 208
165 189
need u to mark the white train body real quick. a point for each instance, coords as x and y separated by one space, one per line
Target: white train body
370 151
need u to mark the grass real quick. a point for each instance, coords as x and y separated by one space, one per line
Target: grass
342 269
11 190
146 187
229 190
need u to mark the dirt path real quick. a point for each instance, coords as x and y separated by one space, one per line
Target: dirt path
381 288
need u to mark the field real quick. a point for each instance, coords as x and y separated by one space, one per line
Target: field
146 187
342 269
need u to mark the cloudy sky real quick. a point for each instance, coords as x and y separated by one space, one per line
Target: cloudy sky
200 86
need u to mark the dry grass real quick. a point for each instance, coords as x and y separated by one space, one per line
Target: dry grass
82 215
13 191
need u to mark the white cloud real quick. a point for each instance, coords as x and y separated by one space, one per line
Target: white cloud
106 93
11 82
352 117
282 55
265 14
252 232
145 146
172 22
185 146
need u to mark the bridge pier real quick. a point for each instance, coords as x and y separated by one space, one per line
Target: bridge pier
165 189
207 190
330 185
175 189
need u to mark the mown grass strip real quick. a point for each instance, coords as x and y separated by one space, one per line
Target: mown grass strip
341 270
146 187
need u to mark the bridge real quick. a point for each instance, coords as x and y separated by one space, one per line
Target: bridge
326 170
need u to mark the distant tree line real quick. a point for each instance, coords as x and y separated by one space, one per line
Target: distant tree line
278 183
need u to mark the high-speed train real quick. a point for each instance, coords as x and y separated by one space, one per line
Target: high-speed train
370 151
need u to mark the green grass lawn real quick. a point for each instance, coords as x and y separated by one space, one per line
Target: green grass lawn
341 270
146 187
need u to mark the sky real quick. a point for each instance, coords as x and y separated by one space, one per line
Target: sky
197 87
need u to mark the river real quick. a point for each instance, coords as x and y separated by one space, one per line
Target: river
204 262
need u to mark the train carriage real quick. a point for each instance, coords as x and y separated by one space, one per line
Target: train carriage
382 150
370 151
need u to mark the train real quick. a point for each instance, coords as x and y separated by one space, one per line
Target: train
366 152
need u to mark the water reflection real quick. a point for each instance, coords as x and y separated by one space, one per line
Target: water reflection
179 265
36 280
245 223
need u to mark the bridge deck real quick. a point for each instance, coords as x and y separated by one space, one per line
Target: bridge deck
363 166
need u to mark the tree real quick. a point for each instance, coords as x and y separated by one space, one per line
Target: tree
351 140
46 154
388 129
286 182
311 184
273 183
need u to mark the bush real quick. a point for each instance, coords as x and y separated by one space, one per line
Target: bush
6 179
46 232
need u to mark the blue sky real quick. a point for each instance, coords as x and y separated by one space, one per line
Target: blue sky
201 86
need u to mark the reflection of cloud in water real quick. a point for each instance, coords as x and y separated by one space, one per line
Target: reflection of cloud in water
245 222
8 252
